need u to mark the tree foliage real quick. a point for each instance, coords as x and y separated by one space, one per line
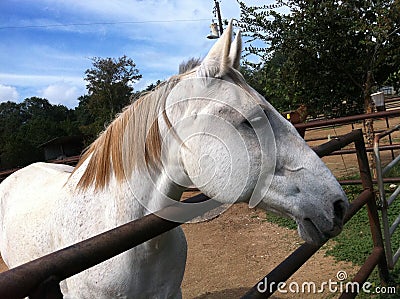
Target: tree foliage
329 54
24 126
109 85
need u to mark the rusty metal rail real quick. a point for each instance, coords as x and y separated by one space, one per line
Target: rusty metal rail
374 181
289 266
35 278
347 119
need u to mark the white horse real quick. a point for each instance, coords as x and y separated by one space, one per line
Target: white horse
205 128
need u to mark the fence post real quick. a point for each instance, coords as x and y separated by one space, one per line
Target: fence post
372 209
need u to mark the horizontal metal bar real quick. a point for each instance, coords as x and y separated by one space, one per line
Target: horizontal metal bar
391 100
21 281
348 119
368 149
358 181
353 182
387 132
334 136
337 143
390 165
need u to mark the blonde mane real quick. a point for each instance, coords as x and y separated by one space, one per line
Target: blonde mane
137 126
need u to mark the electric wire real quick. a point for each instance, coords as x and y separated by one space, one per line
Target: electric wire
100 23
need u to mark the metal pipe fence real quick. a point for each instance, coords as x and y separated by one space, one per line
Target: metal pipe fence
347 119
385 201
40 278
377 257
332 123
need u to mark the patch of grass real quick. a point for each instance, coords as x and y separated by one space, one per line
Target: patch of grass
281 221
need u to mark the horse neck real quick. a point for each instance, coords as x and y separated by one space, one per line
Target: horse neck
160 186
133 198
143 189
154 190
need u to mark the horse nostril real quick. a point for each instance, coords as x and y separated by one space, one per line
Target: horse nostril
339 209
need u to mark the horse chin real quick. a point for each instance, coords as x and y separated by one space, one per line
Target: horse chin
309 232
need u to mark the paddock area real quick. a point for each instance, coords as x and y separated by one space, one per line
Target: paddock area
255 245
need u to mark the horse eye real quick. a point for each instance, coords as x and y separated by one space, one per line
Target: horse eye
247 123
255 120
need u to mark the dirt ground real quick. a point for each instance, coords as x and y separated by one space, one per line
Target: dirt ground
229 254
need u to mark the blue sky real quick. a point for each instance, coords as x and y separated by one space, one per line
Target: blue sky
39 56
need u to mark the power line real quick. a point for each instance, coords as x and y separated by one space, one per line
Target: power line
98 23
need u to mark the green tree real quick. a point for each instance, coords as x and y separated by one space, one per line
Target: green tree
109 85
334 53
24 126
266 79
11 118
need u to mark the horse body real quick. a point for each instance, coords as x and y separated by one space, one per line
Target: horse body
206 128
20 207
153 269
44 223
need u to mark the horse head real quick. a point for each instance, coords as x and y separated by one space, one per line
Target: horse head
235 147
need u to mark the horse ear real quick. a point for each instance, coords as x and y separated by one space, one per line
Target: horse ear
220 52
235 52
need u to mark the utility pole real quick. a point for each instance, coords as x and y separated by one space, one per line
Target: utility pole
218 11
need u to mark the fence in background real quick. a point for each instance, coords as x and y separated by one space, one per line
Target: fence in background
319 124
386 202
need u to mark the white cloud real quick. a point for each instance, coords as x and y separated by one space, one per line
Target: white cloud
8 93
61 93
58 90
31 80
